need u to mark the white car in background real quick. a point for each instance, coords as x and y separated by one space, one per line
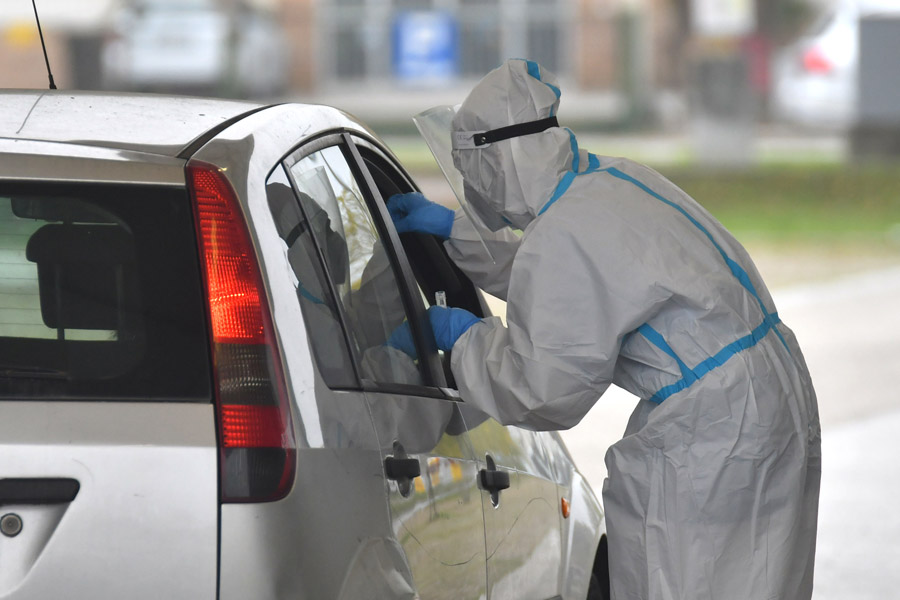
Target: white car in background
195 46
814 79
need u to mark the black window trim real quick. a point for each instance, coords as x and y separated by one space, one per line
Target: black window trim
412 302
417 247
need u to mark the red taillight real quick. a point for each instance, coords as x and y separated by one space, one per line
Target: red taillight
252 427
232 277
814 61
255 428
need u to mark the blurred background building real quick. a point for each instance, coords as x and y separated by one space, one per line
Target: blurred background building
793 92
623 63
711 70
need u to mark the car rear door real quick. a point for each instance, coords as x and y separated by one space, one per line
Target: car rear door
108 458
431 474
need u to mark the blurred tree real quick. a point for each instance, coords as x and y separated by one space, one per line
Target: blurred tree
781 20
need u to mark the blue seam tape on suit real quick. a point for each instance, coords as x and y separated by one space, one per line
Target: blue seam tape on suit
769 323
716 361
689 376
535 71
736 269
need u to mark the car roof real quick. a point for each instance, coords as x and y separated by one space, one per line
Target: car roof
151 123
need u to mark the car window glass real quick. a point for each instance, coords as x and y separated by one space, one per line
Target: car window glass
435 273
357 263
92 304
320 312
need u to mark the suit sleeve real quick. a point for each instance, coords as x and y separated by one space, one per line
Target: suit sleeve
573 296
467 251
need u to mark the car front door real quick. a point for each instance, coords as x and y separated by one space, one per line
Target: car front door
517 487
522 522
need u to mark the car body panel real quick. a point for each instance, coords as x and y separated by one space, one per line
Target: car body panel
583 529
56 161
153 124
522 531
148 496
582 535
337 510
331 530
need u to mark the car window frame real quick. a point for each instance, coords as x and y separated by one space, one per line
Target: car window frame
468 296
434 383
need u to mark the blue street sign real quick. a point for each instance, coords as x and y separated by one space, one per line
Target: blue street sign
425 46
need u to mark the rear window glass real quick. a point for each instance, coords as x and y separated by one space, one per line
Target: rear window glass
100 295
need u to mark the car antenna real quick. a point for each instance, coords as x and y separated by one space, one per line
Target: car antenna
43 45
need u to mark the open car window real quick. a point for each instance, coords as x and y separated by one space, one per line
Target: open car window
433 269
435 273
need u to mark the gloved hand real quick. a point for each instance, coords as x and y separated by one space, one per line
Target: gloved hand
414 212
448 324
401 339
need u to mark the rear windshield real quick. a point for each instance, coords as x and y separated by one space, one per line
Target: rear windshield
100 294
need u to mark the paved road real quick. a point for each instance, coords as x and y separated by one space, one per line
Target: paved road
850 334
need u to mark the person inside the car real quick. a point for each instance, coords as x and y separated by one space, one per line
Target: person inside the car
619 277
367 306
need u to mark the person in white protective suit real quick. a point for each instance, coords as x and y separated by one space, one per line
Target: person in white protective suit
620 277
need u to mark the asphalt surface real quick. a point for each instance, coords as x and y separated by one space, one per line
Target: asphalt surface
849 330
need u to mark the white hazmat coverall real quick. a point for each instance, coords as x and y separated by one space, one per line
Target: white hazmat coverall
620 277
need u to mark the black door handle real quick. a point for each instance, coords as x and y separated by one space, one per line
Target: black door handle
402 469
492 480
38 490
399 468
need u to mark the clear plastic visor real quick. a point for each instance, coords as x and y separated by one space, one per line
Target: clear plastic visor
435 127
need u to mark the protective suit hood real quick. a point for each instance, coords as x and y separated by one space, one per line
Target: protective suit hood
515 178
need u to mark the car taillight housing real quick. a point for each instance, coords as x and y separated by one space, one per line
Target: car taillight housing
256 438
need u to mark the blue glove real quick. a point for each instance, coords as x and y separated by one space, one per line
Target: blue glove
448 324
401 339
414 212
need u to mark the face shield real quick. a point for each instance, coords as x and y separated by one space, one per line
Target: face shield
434 125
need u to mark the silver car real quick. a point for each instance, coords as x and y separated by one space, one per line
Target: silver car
196 396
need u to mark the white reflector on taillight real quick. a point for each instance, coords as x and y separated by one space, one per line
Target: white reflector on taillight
255 431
